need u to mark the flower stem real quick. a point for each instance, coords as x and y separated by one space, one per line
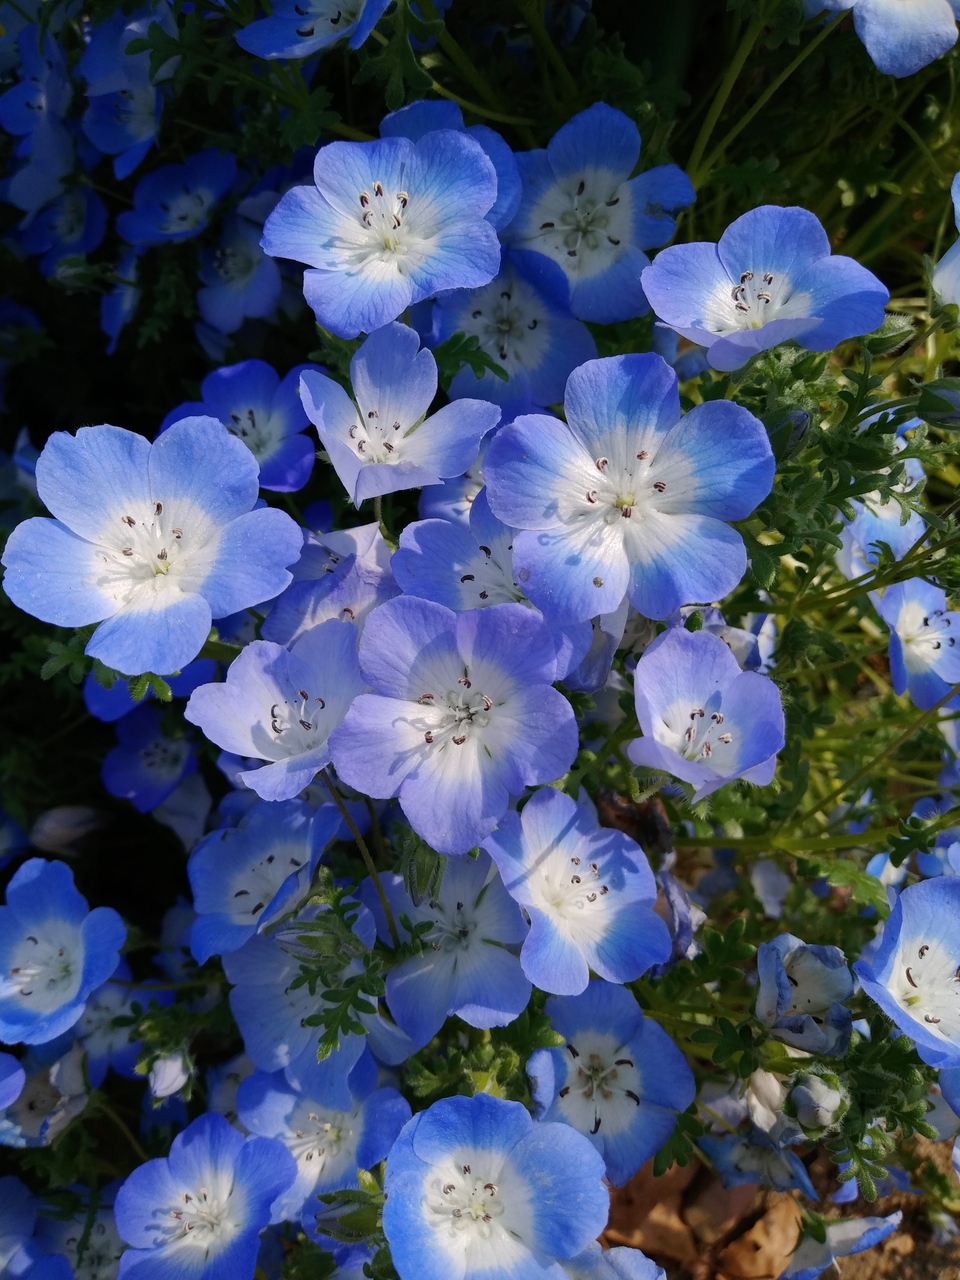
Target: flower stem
108 1111
364 854
737 62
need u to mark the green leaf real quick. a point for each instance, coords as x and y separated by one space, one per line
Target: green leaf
460 350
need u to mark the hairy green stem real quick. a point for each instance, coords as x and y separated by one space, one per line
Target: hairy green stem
368 861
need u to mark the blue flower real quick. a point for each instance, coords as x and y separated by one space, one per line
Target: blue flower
328 1144
754 1159
263 411
588 891
118 306
85 1244
462 716
54 1093
802 994
900 38
124 124
109 1046
466 568
388 224
853 1235
18 1213
44 90
525 327
619 1078
245 877
147 764
924 657
466 969
384 441
627 498
74 224
946 277
239 279
173 203
476 1189
771 278
54 951
417 119
12 1079
110 704
280 705
199 1212
296 30
912 973
582 209
621 1263
703 719
155 539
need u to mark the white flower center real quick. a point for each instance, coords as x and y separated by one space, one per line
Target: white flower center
386 233
698 733
453 933
186 211
585 228
490 577
204 1218
457 714
374 440
464 1202
757 298
234 266
926 983
924 635
45 971
101 1255
143 550
259 431
511 325
602 1088
296 723
318 1136
338 15
573 886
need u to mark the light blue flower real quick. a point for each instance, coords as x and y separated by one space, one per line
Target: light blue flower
296 30
771 278
476 1189
754 1159
462 716
109 705
382 440
619 1079
54 951
853 1235
467 968
328 1144
900 38
199 1212
156 540
912 973
54 1093
245 877
341 575
264 411
174 202
802 994
12 1079
946 277
621 1263
239 279
525 326
468 568
924 655
280 705
588 891
388 224
148 763
582 209
417 119
628 498
703 719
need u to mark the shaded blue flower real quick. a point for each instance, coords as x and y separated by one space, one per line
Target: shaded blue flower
13 838
199 1212
117 307
912 973
466 969
452 499
343 575
264 411
86 1245
295 30
110 704
526 328
703 719
44 90
54 1093
54 951
627 498
107 1045
383 440
74 224
245 877
588 891
12 1079
753 1159
946 277
124 124
148 762
475 1188
388 224
619 1079
620 1263
771 278
467 568
582 209
18 1213
328 1144
461 717
417 119
174 202
155 539
239 279
900 38
281 705
853 1235
802 993
924 656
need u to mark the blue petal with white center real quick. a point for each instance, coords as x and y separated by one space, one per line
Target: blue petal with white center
924 654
